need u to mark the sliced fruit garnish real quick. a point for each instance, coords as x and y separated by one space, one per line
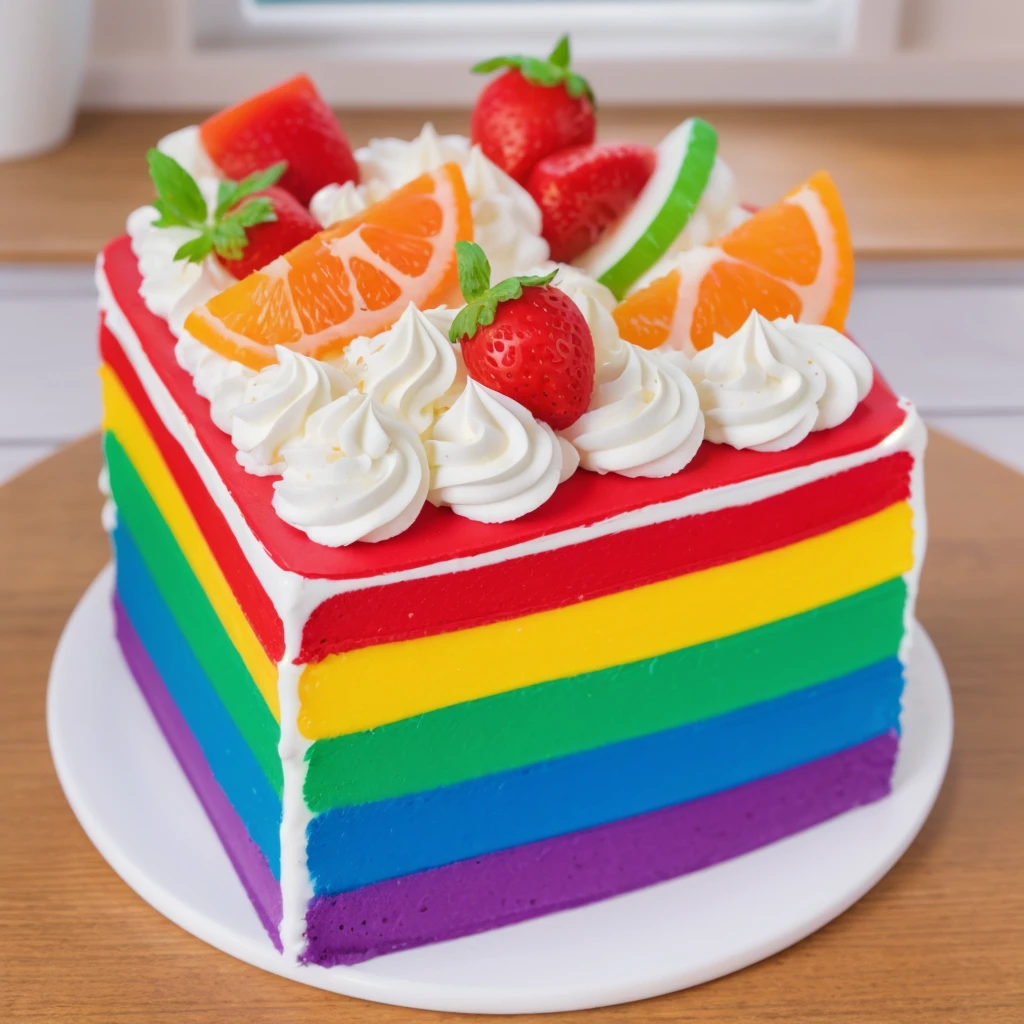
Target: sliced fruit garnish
356 278
288 122
794 259
685 158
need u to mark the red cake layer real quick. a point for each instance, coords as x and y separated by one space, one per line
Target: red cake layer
534 583
438 534
252 598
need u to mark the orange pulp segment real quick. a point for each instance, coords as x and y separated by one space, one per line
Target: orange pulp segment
356 278
794 259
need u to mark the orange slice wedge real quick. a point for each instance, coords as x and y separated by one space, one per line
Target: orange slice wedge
794 259
356 278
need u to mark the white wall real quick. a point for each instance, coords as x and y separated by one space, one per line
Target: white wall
174 53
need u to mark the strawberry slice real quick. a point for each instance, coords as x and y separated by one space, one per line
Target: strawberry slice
582 191
289 122
269 239
535 108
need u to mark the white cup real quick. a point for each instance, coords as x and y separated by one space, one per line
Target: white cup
43 44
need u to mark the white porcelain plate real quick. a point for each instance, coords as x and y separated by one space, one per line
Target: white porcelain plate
134 802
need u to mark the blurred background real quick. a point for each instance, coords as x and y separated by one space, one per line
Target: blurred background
916 107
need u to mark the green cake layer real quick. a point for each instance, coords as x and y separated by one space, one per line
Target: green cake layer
583 712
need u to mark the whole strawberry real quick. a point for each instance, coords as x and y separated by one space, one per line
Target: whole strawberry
583 190
535 108
252 223
525 339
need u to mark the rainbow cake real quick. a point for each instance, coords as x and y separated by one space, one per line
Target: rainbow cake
501 523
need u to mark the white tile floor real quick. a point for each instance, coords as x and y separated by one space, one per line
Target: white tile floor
949 336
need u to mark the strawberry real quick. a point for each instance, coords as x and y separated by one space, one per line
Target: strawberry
583 190
525 339
252 223
267 240
289 122
535 108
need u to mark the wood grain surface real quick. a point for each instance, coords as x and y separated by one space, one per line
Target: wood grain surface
920 183
940 939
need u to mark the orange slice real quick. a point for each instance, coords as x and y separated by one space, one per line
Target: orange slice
791 259
356 278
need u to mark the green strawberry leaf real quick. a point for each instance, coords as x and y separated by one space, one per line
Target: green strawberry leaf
474 270
180 204
176 189
195 250
485 67
256 211
560 54
231 192
554 71
482 302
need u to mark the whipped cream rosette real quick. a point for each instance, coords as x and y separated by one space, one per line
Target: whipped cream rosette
491 461
355 474
275 405
644 417
406 370
769 385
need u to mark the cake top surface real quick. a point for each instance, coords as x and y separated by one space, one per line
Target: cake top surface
437 535
432 349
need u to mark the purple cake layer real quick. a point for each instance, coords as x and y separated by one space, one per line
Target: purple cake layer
249 863
568 871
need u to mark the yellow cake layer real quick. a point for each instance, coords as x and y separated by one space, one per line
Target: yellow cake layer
370 687
121 417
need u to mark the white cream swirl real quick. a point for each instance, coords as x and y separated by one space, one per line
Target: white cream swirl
576 283
186 146
758 389
356 474
491 461
644 418
221 381
172 288
507 222
406 369
276 404
848 371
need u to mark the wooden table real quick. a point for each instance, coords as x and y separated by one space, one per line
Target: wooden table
940 939
917 183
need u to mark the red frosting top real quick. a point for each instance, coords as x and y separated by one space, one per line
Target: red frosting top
438 533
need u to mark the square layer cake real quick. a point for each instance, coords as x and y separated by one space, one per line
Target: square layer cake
474 724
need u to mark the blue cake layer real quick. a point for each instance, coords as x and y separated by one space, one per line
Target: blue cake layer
230 758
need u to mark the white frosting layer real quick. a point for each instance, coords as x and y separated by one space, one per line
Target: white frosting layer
644 417
490 460
770 384
219 380
172 288
507 222
275 405
355 474
407 369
